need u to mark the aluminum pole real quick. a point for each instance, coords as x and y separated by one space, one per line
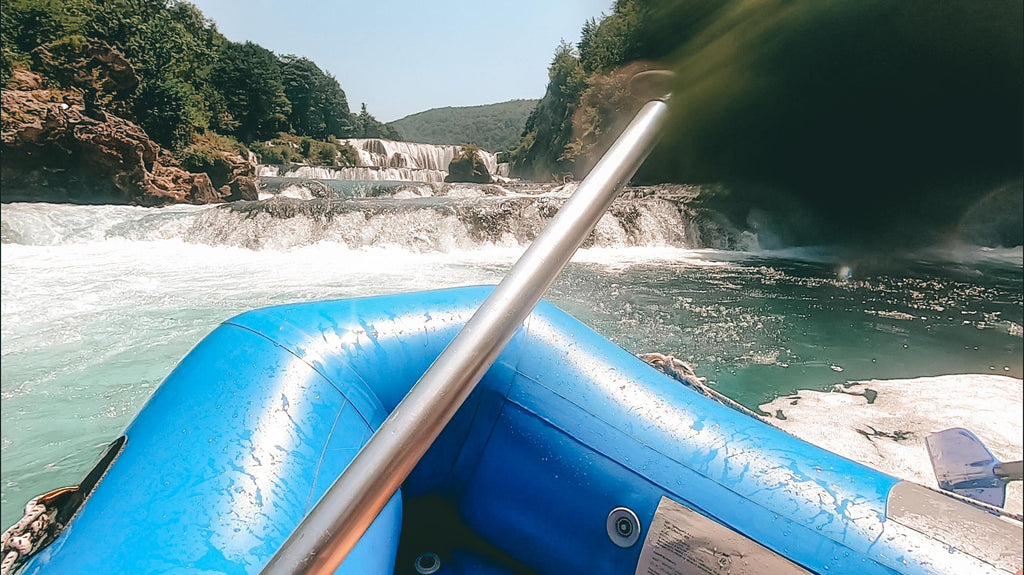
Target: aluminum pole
324 538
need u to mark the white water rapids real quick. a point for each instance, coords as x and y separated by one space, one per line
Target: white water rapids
100 302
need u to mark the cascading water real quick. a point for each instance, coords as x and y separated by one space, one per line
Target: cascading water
381 160
389 153
375 173
421 218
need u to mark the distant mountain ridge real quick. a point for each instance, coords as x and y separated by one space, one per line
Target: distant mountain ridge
493 127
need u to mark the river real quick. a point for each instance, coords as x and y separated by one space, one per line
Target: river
100 302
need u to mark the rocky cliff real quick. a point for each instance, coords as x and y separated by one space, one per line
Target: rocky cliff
57 145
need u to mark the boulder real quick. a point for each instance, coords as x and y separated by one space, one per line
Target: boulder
235 176
231 173
468 166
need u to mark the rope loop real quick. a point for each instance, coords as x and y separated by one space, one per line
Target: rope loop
36 529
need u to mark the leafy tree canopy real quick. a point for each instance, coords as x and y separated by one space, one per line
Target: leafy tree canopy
319 107
190 79
366 126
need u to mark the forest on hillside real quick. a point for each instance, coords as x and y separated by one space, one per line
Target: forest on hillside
493 127
194 88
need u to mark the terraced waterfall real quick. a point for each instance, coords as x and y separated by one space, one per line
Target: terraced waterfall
389 160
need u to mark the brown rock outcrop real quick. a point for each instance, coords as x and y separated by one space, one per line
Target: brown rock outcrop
22 79
104 76
233 176
53 151
468 166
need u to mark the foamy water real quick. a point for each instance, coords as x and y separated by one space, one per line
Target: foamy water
100 302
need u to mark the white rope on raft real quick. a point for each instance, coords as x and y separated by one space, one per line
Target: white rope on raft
684 373
30 534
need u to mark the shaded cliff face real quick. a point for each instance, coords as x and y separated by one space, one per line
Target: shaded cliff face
53 151
881 122
886 121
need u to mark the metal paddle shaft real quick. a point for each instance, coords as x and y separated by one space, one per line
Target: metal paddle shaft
1010 471
324 538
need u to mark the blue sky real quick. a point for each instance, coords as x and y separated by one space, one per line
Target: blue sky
403 57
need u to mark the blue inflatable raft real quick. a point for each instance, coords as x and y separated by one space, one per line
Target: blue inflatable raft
571 456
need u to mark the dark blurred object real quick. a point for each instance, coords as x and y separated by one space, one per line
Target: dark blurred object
883 118
848 121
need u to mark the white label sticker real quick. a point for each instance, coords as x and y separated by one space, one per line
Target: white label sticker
681 541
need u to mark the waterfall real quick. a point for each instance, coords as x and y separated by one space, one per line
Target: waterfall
378 173
380 159
376 152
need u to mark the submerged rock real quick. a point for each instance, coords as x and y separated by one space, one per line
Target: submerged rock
468 166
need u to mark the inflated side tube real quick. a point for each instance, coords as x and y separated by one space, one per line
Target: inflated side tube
259 419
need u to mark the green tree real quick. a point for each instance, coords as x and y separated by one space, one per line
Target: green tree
173 47
249 78
28 24
366 126
613 42
550 124
173 115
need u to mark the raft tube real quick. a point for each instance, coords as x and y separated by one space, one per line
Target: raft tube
571 456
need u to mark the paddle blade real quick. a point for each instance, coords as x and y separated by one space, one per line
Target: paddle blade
963 465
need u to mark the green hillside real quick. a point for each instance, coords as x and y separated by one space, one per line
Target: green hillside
493 127
176 75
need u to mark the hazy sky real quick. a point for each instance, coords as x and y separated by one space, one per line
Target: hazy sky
402 57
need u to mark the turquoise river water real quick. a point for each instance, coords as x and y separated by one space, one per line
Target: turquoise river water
100 302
